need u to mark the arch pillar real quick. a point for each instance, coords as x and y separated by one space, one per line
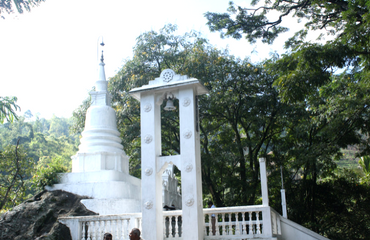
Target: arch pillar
168 86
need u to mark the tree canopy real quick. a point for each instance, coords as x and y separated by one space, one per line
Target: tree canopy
336 71
8 108
31 154
7 6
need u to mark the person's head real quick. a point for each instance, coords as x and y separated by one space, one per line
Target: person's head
210 203
108 236
135 234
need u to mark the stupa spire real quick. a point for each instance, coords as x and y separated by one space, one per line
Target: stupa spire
101 84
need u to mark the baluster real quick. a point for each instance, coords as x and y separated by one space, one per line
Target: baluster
115 229
92 235
250 223
176 226
97 233
109 226
103 227
237 229
172 232
83 231
99 230
139 223
222 226
127 232
180 225
121 229
244 227
204 224
89 230
258 222
164 227
230 232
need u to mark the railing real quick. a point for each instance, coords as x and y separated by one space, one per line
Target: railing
228 223
219 223
94 227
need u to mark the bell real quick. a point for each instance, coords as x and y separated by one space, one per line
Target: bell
169 106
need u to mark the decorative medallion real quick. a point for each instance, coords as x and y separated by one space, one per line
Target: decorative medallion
164 183
148 171
148 107
189 202
148 204
148 139
189 167
186 102
187 134
167 75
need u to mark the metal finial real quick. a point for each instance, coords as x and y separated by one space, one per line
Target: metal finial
102 57
100 39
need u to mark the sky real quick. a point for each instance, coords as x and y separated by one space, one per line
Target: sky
49 59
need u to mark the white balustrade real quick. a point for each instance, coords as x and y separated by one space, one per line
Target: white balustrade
94 227
219 223
238 222
172 224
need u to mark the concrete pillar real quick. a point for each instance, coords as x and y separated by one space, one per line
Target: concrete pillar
151 96
191 179
151 179
283 203
264 188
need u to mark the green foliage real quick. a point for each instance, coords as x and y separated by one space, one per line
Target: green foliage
8 107
340 210
15 171
41 138
365 166
348 20
44 148
255 110
21 5
47 172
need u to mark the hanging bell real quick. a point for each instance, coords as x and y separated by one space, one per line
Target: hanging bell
169 106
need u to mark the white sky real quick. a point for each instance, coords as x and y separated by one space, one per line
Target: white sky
48 57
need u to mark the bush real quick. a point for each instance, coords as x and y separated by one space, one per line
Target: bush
47 172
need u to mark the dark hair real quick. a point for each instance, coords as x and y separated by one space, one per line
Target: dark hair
136 231
210 203
107 235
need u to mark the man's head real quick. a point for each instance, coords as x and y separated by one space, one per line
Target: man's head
210 203
135 234
107 236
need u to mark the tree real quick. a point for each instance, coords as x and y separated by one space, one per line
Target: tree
347 19
8 107
21 5
241 112
16 170
245 117
365 166
309 70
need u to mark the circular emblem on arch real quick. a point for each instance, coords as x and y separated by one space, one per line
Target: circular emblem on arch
167 75
147 107
189 202
189 168
148 204
148 171
148 139
188 134
186 102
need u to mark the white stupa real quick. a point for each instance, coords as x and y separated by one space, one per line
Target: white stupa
100 169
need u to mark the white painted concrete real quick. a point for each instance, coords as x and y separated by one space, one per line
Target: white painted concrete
168 86
291 231
100 169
